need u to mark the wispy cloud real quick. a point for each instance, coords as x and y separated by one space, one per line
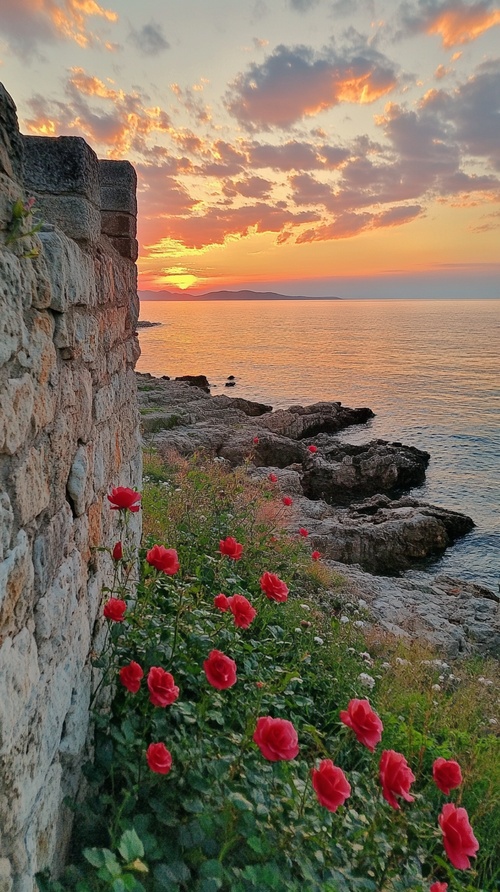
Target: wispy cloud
28 23
454 21
150 39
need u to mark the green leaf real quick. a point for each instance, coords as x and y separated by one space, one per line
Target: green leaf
240 802
212 870
130 846
95 857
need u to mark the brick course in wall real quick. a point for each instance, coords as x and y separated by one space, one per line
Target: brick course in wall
68 433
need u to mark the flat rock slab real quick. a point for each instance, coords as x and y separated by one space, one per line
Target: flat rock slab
452 614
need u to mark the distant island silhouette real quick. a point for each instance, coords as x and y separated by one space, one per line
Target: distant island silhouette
226 295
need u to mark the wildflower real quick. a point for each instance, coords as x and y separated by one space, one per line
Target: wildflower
164 559
438 887
276 738
130 676
159 758
316 555
312 448
220 670
330 785
115 609
396 777
459 841
256 441
447 775
117 552
367 680
273 587
122 499
303 532
162 689
364 721
242 610
273 478
287 500
231 548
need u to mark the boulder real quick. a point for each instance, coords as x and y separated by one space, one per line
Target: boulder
196 381
342 472
298 422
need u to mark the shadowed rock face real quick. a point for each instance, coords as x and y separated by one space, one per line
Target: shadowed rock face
343 472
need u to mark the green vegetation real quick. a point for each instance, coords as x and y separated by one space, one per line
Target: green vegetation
225 817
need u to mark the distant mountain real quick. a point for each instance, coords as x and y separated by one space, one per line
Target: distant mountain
226 295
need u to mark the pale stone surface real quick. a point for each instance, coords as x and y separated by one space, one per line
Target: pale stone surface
68 434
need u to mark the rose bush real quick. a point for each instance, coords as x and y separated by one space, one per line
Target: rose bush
273 785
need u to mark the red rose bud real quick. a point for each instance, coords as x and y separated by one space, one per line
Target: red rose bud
256 441
164 559
330 785
365 723
276 738
316 555
447 775
273 587
396 777
438 887
231 548
130 677
124 499
159 758
221 602
242 611
115 610
117 552
287 501
459 841
220 670
303 532
273 478
162 689
312 448
259 684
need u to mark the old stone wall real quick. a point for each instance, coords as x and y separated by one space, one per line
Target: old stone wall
68 434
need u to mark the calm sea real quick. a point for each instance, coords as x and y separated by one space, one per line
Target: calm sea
430 370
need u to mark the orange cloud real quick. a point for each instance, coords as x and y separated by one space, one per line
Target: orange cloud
455 22
70 20
30 22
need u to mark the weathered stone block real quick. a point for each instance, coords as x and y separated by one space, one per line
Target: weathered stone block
119 225
63 165
79 486
75 215
118 181
126 247
70 272
31 485
51 547
11 146
16 410
16 579
6 524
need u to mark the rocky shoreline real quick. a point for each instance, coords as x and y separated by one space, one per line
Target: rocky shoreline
350 498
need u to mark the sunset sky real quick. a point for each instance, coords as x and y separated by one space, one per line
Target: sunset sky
312 147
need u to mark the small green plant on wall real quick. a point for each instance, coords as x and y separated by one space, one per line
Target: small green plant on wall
22 211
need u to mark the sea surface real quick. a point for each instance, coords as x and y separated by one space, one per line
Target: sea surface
429 369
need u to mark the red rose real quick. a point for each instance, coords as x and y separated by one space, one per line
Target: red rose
162 689
221 602
274 587
447 775
459 841
242 611
272 477
364 722
130 677
330 785
312 448
114 609
303 532
117 552
122 499
164 559
158 758
256 440
220 670
231 548
316 555
276 739
438 887
287 500
396 777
